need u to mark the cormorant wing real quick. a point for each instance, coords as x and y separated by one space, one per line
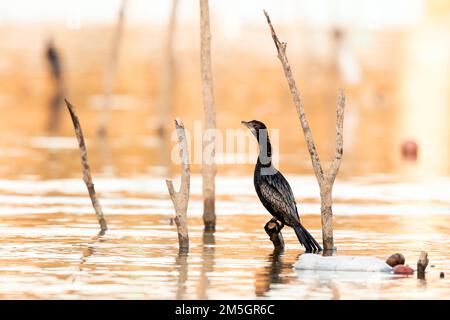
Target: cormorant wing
278 192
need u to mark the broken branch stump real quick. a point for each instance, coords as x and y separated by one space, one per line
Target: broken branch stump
180 199
422 264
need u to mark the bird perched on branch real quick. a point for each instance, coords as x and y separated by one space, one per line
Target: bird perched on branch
274 191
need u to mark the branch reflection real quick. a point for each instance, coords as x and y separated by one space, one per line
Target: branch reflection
208 252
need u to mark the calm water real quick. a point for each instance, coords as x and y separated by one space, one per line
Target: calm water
49 248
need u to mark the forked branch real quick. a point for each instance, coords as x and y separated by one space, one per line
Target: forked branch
325 180
180 199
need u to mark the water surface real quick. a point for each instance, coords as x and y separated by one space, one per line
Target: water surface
49 248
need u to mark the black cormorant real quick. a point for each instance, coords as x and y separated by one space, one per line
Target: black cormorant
274 191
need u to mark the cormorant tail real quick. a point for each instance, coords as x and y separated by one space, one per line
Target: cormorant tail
306 239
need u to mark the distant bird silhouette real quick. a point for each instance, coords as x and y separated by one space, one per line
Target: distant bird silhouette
53 60
55 66
274 191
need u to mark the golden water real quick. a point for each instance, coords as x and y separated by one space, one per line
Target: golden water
49 248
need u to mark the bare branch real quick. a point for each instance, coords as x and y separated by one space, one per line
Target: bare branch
170 188
272 31
86 170
339 147
184 154
281 49
209 141
180 199
325 181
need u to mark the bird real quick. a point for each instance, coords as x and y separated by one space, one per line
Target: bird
274 191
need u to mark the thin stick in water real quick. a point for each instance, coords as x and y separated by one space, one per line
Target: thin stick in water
87 178
208 142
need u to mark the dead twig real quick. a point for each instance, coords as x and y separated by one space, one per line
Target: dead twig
181 199
87 178
208 143
325 180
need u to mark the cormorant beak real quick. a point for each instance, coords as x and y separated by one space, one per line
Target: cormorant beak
252 129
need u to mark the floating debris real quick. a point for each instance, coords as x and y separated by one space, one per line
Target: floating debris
310 261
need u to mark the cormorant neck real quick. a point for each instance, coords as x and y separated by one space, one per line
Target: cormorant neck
265 149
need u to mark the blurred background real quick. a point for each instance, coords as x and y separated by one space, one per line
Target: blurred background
391 57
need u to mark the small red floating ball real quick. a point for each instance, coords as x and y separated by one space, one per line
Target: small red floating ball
402 269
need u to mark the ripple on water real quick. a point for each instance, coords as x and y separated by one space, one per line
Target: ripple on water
49 248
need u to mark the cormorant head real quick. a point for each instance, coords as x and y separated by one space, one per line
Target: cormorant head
255 126
259 130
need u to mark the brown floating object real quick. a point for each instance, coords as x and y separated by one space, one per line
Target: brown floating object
395 259
442 275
